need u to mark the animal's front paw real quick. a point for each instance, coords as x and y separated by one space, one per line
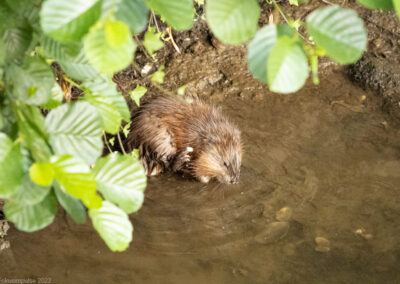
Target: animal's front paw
204 179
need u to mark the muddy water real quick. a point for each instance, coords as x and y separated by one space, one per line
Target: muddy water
318 202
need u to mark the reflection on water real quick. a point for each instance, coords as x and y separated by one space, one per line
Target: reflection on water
318 202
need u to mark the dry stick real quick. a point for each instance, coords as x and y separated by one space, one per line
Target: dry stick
120 144
105 139
139 43
172 40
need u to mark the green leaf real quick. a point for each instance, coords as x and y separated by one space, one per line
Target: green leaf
75 178
69 20
116 33
32 131
137 93
17 41
32 82
134 13
29 193
260 47
75 129
158 76
287 66
109 57
11 168
152 41
79 67
121 180
57 96
108 112
42 173
294 2
233 21
386 5
181 90
344 41
178 13
73 206
5 145
113 226
59 51
32 217
396 4
105 87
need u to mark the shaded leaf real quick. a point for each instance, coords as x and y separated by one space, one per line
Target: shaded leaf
31 217
69 20
377 4
73 206
134 13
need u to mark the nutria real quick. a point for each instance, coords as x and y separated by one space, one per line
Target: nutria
189 137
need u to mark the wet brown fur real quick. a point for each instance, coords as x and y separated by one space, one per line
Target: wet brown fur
165 129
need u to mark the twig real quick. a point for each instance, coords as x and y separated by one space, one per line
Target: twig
172 40
139 43
155 21
105 139
120 143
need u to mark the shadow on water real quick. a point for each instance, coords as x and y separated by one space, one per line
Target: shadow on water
318 202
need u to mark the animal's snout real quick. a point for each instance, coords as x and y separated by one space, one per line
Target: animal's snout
234 180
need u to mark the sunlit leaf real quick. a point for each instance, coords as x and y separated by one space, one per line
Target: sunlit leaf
75 178
121 180
343 40
105 87
178 13
233 21
159 75
16 41
42 173
152 40
79 67
113 226
287 67
76 129
108 57
137 94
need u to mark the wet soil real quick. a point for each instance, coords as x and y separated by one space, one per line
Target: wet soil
318 200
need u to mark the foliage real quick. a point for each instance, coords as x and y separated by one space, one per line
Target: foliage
57 158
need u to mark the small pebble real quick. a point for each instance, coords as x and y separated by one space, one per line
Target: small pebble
284 214
323 245
361 232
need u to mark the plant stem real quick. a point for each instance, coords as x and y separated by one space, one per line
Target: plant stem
120 143
105 140
155 21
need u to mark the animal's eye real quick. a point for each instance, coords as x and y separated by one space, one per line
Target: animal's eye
225 164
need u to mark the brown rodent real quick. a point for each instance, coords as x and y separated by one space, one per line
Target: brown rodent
195 138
